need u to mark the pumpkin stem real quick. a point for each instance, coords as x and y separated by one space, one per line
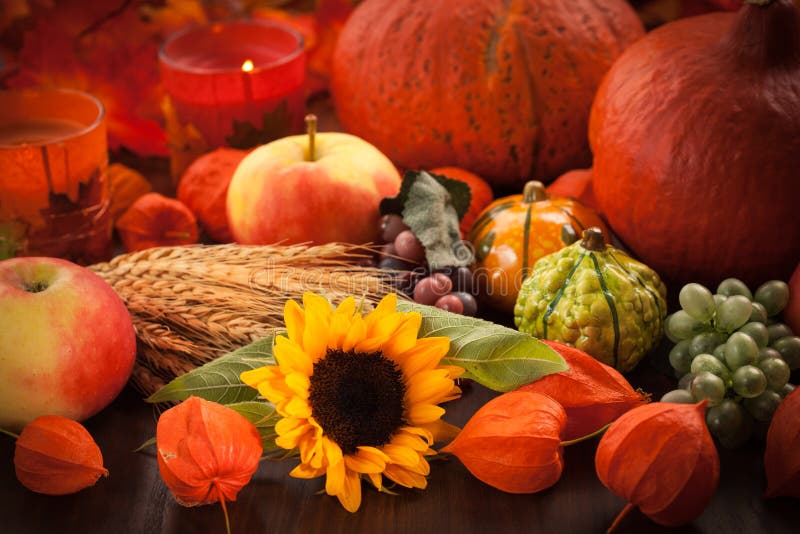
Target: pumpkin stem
534 191
9 433
593 239
766 33
628 507
311 129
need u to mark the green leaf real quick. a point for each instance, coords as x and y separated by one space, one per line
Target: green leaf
459 193
430 215
264 417
500 358
275 124
218 380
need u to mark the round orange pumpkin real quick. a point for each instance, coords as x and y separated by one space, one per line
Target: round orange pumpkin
514 232
481 193
696 140
500 88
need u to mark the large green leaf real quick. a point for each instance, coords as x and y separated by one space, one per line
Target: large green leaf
218 380
264 417
497 357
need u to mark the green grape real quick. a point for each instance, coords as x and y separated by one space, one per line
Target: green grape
759 314
719 352
678 396
733 313
758 331
785 390
763 407
789 348
777 372
734 286
698 302
719 299
681 325
705 342
767 353
749 381
774 295
740 435
725 418
740 349
686 381
777 331
708 386
679 357
706 362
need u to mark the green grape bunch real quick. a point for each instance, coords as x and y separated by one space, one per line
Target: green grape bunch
732 349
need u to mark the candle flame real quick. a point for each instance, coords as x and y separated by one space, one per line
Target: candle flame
247 66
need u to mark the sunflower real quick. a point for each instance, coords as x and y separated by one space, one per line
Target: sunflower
358 395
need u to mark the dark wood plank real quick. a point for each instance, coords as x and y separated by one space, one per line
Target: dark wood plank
134 500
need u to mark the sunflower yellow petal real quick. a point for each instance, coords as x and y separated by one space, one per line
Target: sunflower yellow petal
454 370
453 394
387 305
291 356
419 431
298 407
425 354
442 430
305 471
334 479
410 441
356 333
295 320
277 392
373 453
404 477
299 384
350 497
401 455
405 337
290 424
429 387
376 479
424 413
331 450
387 326
337 332
260 374
364 464
347 307
292 438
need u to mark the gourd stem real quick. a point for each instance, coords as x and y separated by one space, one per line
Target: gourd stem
176 235
593 239
584 438
9 433
628 507
534 191
311 129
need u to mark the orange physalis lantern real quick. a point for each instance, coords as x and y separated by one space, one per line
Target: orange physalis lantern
56 456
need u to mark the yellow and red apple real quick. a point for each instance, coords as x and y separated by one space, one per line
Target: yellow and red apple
67 343
285 191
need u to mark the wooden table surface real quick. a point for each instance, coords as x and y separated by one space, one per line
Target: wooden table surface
134 499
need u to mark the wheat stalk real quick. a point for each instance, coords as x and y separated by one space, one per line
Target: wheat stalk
193 304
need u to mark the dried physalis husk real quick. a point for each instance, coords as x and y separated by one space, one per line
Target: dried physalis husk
661 458
593 394
782 455
513 442
56 456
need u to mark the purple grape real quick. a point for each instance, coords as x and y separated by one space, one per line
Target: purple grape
450 303
462 279
408 246
388 250
468 302
431 288
394 264
391 225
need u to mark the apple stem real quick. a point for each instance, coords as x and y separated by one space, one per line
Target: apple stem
311 128
9 433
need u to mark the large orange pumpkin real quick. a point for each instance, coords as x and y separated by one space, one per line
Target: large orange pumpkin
500 88
696 139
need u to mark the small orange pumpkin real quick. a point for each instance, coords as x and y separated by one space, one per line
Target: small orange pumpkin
512 233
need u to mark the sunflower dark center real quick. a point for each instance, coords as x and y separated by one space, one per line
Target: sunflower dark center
357 398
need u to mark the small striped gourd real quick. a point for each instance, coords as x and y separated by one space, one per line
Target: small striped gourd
595 298
512 233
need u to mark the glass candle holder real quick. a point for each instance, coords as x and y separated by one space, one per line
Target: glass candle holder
237 84
54 189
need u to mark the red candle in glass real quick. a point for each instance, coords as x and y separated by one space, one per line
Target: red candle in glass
238 84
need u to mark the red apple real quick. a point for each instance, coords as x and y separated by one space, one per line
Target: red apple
67 343
281 192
